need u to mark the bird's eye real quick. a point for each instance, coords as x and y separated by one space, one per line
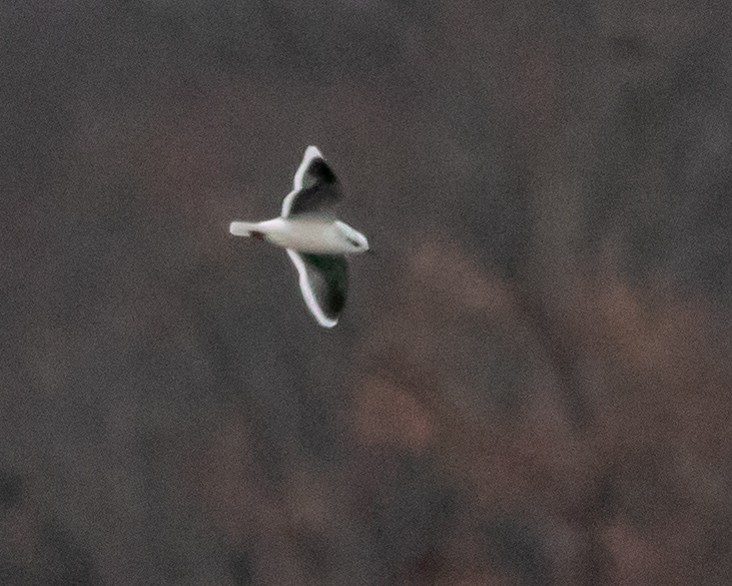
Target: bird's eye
353 242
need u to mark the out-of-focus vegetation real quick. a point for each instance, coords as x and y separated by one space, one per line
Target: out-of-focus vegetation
531 382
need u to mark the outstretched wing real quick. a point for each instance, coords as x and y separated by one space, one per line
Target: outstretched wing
324 284
317 189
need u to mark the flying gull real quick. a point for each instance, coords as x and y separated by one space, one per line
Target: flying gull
315 240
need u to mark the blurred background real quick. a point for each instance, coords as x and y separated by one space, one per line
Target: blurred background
531 382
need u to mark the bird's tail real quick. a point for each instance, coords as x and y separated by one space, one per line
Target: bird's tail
243 228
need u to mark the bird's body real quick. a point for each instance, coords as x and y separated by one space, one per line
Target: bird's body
307 234
315 240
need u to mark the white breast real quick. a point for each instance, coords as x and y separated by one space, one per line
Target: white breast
306 235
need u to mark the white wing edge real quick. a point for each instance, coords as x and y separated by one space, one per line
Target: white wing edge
287 203
307 292
312 152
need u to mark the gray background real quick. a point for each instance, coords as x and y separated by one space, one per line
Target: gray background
530 383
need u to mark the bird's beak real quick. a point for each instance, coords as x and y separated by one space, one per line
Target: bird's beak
371 252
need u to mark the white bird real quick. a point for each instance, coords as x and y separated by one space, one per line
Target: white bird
315 240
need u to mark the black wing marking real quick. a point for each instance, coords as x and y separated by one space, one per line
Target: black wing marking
317 189
323 283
